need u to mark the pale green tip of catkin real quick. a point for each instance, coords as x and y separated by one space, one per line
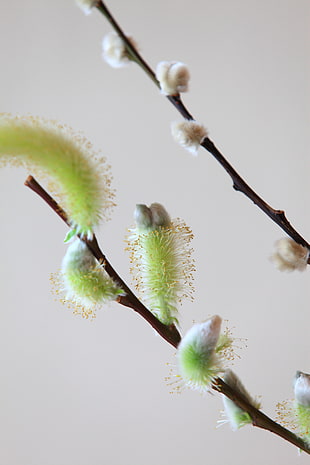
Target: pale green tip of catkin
237 417
198 360
161 255
85 282
75 175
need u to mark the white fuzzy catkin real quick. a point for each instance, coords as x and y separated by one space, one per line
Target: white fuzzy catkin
114 51
86 5
189 134
173 77
289 255
302 388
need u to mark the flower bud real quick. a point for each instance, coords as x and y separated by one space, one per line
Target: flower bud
173 77
143 217
114 51
86 5
290 255
189 134
302 388
160 216
302 403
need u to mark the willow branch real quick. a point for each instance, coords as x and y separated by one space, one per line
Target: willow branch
259 419
168 332
278 216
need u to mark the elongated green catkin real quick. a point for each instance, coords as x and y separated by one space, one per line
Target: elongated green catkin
161 255
79 180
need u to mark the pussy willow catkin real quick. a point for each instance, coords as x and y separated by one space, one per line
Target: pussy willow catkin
162 263
84 282
78 178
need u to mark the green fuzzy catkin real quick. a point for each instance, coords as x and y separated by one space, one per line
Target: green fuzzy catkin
53 150
86 284
163 267
198 360
303 419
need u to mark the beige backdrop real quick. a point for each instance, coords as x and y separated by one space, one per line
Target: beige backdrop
75 392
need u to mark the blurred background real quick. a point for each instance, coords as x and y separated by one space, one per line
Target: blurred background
77 392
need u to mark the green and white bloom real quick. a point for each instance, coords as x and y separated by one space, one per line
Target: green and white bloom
85 283
161 254
201 354
76 176
289 255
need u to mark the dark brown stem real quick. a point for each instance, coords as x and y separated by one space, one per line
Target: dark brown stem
168 332
259 419
278 216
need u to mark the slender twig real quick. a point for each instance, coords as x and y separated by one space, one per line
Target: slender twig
259 419
169 333
278 216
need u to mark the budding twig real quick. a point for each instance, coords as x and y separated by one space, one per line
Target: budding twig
259 419
278 216
168 332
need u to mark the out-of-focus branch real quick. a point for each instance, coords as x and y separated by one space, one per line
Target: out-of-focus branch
278 216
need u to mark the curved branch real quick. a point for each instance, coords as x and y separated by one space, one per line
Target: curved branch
278 216
168 332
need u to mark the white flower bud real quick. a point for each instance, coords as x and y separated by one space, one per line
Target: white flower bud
290 256
114 51
302 388
189 134
86 5
173 77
